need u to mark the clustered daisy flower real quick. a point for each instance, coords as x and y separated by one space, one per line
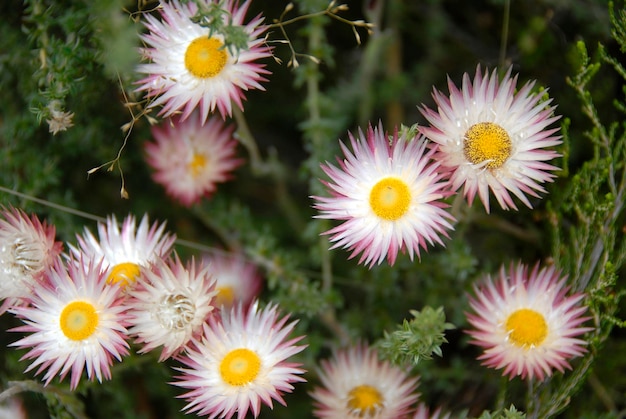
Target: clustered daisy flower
240 362
27 249
191 66
356 385
388 193
492 138
190 158
237 280
526 323
169 305
124 251
78 319
75 322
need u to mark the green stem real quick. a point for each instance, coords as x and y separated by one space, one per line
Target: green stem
524 233
501 400
317 137
532 406
505 33
62 208
561 399
245 137
602 393
222 233
329 11
272 167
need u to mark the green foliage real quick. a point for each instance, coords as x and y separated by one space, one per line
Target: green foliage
510 413
416 339
58 35
117 39
214 17
586 237
590 246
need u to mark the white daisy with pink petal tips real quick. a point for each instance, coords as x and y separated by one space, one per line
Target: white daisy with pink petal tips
190 159
190 67
169 304
355 384
388 193
526 323
238 280
241 362
75 323
124 250
27 249
492 138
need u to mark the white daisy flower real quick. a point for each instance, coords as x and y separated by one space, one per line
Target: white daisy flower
491 138
76 322
388 193
241 362
169 304
526 323
190 159
357 385
27 249
190 65
125 251
237 280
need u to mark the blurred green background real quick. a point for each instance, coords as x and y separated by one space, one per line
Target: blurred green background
90 51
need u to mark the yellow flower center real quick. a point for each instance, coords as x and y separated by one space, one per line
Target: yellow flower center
225 296
390 198
240 367
526 328
205 57
364 400
488 142
197 164
123 274
78 320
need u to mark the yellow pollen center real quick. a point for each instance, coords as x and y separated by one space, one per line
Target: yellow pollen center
123 274
205 57
390 198
488 142
526 328
364 400
240 367
197 164
78 320
225 296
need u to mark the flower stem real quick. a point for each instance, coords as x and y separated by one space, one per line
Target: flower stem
272 166
317 137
